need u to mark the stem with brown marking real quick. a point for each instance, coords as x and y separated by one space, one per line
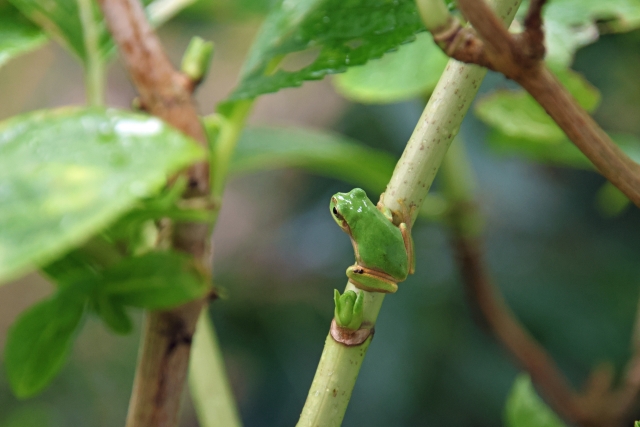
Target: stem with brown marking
329 396
166 342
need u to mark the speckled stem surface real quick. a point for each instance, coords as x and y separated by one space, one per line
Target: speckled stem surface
339 365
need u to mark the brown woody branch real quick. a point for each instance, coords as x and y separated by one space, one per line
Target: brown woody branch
520 58
166 93
485 297
599 405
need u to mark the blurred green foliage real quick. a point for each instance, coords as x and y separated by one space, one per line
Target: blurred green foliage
525 409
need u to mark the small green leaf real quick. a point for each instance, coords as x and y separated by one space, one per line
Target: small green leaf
342 33
335 156
39 341
525 409
113 313
572 24
348 310
516 114
17 35
412 71
196 59
155 281
65 174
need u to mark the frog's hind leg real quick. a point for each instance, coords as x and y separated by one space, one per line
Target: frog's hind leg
371 280
408 245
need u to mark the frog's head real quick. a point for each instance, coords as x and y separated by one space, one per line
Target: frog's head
347 207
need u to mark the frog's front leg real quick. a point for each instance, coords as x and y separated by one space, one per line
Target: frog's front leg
371 280
408 245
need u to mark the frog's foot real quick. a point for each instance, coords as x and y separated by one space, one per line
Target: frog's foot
371 280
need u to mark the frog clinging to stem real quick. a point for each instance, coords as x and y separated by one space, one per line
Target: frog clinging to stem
384 251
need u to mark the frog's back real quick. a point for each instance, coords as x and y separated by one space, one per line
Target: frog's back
385 251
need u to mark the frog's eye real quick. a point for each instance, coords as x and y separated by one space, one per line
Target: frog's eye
337 214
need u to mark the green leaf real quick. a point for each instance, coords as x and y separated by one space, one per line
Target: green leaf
412 71
558 152
39 341
113 313
17 35
61 20
342 33
155 281
65 174
516 114
572 24
335 156
610 201
525 409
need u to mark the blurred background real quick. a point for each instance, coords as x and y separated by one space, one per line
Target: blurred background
570 273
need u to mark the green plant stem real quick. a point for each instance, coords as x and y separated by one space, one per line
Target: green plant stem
160 11
406 191
434 14
210 390
229 133
93 63
458 187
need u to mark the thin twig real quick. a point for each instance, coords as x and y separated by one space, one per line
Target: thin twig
533 35
164 356
512 335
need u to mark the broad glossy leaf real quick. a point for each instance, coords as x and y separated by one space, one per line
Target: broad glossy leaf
39 341
525 409
342 33
17 35
155 281
518 115
65 174
410 72
572 24
335 156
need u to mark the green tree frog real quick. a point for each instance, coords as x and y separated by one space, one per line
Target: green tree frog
384 251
